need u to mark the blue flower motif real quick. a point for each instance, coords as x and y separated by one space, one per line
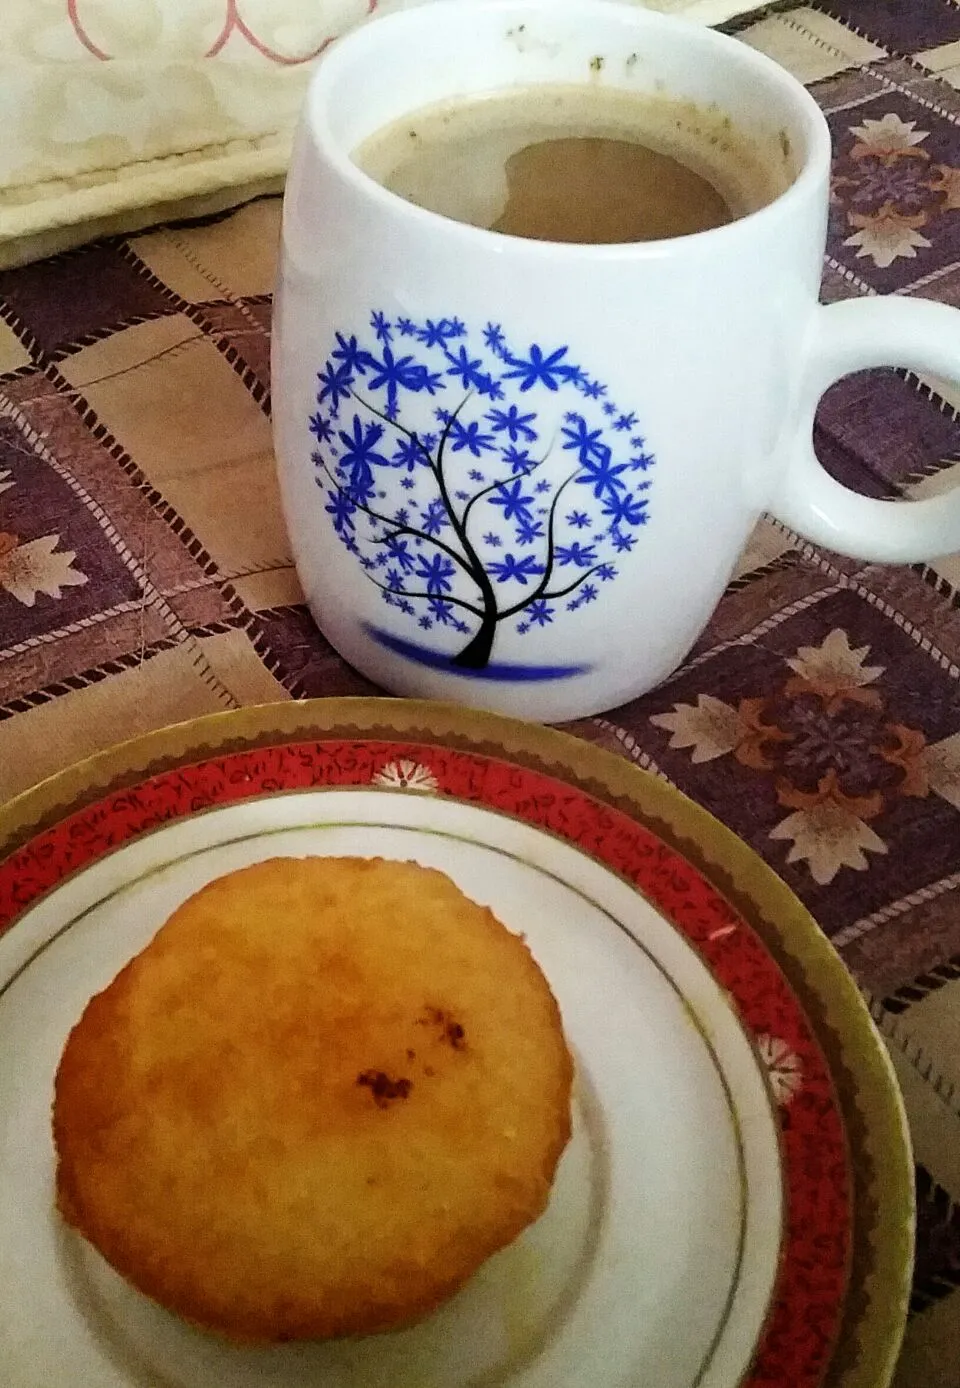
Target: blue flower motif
469 437
625 510
335 383
493 337
321 427
511 497
436 572
593 390
587 442
625 422
528 532
441 610
467 369
610 408
399 373
359 455
579 520
514 424
602 475
519 570
409 454
623 544
350 354
475 475
398 550
542 487
425 623
381 326
492 539
341 510
434 518
406 327
540 612
582 556
536 369
517 459
436 334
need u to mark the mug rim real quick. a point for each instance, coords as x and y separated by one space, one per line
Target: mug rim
349 49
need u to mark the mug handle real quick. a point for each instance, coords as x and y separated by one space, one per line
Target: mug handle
852 336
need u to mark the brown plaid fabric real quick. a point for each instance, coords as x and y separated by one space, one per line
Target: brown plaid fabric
145 576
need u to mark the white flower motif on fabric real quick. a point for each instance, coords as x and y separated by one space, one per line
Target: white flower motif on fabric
828 835
35 567
407 775
886 138
941 764
887 234
711 727
784 1068
835 664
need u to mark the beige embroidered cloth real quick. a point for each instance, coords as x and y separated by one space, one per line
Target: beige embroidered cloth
118 114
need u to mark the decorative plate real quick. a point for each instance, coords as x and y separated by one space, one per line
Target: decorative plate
719 1217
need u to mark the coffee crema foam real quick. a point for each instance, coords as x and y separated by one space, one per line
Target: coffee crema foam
575 163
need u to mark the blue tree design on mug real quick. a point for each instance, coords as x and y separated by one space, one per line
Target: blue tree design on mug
462 526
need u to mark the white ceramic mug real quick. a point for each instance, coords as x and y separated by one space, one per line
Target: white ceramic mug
518 474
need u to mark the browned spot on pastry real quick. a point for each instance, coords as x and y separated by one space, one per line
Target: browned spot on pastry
449 1030
383 1088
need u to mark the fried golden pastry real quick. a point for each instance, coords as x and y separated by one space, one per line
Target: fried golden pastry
319 1099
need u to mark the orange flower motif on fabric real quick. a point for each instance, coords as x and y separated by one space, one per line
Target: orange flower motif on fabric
829 792
909 754
836 758
946 180
757 745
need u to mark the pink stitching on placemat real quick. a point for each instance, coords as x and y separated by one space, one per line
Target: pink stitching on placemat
82 34
235 21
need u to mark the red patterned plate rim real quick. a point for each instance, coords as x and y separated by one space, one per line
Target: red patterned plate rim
810 1308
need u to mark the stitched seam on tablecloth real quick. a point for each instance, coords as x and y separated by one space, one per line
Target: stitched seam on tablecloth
750 638
913 1052
151 595
258 389
857 929
47 638
635 752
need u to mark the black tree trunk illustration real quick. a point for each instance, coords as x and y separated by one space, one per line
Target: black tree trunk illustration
476 653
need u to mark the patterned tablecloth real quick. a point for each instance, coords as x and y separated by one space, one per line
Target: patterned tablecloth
145 575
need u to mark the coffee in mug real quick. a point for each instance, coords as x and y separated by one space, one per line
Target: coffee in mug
595 165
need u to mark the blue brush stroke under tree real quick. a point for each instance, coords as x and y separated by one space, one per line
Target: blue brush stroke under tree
460 524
